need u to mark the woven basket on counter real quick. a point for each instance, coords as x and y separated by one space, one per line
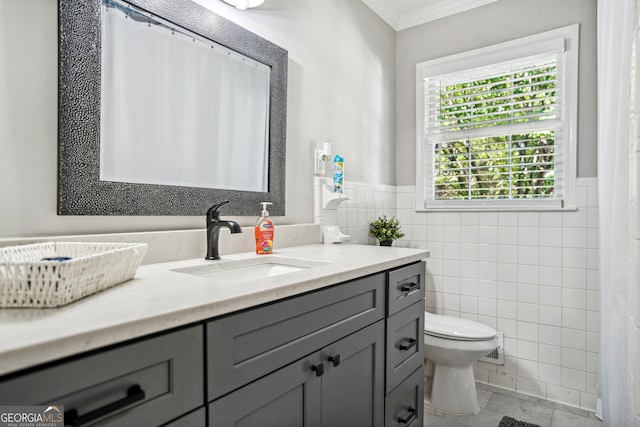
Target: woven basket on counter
72 271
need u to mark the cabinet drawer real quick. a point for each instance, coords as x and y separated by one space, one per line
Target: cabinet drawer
245 346
404 406
405 347
148 382
406 286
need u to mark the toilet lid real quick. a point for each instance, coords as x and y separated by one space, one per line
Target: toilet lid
456 328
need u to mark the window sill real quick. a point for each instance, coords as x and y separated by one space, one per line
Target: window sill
498 209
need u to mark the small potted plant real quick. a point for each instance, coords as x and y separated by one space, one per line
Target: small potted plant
386 230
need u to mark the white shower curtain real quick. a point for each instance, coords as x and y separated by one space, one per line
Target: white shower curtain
615 35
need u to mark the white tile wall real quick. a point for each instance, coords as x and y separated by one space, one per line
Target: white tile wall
532 275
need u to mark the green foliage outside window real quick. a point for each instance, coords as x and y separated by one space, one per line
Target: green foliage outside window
510 165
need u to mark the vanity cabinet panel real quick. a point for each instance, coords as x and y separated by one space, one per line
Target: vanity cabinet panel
245 346
406 286
194 419
353 380
289 397
148 382
338 385
405 349
404 406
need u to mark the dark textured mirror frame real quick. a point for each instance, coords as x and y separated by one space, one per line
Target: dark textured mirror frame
80 191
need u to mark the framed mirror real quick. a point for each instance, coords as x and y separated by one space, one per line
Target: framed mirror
139 136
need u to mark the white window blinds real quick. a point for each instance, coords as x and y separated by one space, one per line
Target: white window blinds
498 125
496 132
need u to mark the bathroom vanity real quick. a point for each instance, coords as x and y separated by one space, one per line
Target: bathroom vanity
339 343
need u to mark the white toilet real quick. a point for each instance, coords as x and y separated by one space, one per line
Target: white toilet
453 345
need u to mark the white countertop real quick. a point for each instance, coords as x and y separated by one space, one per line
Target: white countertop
158 299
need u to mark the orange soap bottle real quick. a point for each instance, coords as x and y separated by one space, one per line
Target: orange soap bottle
264 232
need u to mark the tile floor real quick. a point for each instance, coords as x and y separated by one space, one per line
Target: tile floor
496 403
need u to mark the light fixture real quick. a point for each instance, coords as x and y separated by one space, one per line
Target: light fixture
244 4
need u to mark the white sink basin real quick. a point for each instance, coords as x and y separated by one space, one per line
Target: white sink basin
251 268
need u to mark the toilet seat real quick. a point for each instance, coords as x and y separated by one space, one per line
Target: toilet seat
455 328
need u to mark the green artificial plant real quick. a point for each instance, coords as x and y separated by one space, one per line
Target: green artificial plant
386 229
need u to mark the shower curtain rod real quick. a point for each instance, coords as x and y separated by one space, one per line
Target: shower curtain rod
137 15
143 16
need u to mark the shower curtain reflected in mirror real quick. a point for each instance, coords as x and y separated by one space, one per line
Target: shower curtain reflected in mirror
177 109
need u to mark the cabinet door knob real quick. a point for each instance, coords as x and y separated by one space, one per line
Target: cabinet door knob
335 359
409 418
319 369
134 394
411 342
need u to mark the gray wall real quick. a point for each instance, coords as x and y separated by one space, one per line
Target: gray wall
494 23
341 89
351 82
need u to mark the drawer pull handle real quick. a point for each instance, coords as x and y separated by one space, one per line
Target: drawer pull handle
413 414
408 287
134 394
319 369
335 360
411 343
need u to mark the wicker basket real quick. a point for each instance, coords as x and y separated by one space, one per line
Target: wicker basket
26 280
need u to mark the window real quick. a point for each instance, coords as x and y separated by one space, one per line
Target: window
497 126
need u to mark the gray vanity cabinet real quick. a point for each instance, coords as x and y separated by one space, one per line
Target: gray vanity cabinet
350 354
339 385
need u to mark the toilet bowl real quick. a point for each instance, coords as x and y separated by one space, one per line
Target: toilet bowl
453 345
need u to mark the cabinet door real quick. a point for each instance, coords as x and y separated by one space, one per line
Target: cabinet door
289 397
353 380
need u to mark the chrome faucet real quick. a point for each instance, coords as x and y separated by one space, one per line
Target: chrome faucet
213 230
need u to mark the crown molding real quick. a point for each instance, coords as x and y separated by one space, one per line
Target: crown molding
384 11
435 10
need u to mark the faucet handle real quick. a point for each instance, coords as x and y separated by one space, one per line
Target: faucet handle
212 212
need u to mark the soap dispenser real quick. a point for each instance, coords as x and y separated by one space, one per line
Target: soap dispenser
264 232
